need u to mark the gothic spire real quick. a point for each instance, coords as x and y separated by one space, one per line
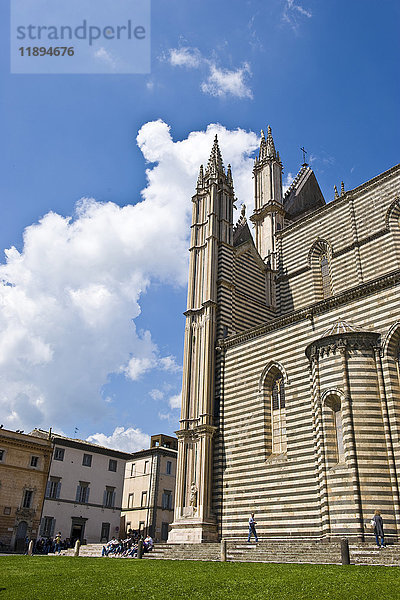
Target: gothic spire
263 146
215 164
270 144
200 179
267 146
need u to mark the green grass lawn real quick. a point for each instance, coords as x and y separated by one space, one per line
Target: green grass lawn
59 578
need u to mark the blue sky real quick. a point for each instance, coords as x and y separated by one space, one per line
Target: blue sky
91 330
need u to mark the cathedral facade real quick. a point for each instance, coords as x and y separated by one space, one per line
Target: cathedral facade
291 383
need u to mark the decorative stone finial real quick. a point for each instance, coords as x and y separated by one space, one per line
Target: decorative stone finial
336 192
200 179
270 149
243 210
342 189
229 175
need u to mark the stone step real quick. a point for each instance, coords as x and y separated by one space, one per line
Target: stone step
282 551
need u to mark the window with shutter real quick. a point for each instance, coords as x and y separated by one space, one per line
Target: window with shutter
59 453
47 493
82 493
87 460
53 488
167 500
109 497
42 526
47 527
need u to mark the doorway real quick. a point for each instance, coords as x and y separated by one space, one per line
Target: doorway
77 530
20 537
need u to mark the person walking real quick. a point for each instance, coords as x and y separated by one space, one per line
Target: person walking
252 528
377 524
57 546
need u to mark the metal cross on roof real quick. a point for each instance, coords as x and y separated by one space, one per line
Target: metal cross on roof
304 151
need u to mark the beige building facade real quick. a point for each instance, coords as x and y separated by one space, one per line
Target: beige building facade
148 498
24 468
291 384
84 491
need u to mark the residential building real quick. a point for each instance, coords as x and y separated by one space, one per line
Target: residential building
291 382
84 490
148 499
24 469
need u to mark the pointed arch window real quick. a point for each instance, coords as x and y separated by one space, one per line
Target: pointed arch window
278 416
320 259
338 425
325 276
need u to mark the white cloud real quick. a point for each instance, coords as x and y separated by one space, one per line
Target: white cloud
287 182
170 417
168 363
175 401
292 12
138 366
156 394
149 360
219 82
185 57
127 440
224 82
70 297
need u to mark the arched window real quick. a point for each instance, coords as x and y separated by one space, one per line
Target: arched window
272 388
326 277
319 258
338 425
334 429
278 416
